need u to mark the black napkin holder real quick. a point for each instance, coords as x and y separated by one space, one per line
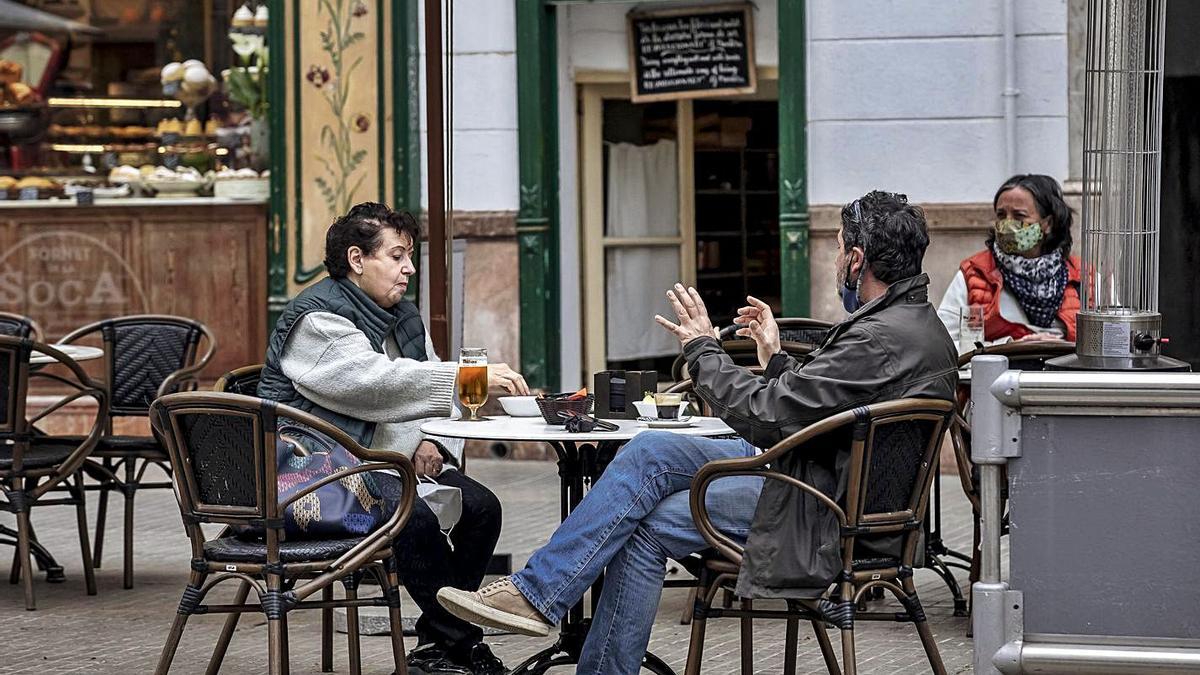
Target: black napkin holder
617 390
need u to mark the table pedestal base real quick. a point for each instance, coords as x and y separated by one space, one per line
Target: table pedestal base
42 557
566 650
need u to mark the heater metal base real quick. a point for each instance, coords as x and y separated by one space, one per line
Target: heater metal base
1149 363
1117 339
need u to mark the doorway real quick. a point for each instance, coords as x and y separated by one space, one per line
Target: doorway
673 191
1179 243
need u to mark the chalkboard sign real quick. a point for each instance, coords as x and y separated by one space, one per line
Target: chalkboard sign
692 52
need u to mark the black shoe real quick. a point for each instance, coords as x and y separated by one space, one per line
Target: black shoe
431 659
482 661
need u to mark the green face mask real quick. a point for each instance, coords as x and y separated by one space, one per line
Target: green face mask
1015 237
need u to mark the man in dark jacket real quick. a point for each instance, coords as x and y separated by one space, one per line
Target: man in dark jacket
637 516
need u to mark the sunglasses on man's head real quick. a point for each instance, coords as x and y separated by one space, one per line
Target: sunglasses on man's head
582 423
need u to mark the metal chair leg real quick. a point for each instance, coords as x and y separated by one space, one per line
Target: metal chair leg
685 617
106 486
26 560
396 621
747 639
277 647
917 614
848 656
89 571
791 643
130 491
696 643
327 631
195 581
231 622
352 638
831 662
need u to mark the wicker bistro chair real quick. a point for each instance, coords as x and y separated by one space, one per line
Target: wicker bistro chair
19 325
242 380
32 465
1022 355
222 447
893 460
145 356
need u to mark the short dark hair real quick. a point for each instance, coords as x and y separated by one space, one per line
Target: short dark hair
891 231
1048 196
361 227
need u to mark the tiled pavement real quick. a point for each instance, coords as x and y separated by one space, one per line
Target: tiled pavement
122 631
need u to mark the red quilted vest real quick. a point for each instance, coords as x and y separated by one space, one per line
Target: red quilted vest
984 283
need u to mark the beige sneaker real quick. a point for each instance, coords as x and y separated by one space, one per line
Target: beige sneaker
497 605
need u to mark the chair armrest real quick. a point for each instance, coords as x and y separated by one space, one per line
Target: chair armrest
742 466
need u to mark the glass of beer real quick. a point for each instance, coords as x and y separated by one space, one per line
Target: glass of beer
472 379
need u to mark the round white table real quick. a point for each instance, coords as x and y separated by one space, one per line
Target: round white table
75 352
582 458
504 428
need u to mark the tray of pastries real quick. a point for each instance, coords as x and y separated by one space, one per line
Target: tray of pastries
28 188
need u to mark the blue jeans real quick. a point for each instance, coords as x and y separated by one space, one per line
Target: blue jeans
634 518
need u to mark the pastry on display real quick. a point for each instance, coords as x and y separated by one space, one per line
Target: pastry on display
243 17
211 127
12 90
193 128
7 182
124 174
261 16
35 182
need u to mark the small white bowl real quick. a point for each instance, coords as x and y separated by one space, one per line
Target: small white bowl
520 406
650 410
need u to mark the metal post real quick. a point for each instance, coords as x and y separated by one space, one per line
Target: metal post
439 260
988 616
793 160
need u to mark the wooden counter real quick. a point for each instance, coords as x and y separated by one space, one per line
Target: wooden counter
67 265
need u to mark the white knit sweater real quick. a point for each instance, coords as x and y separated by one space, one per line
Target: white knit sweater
331 363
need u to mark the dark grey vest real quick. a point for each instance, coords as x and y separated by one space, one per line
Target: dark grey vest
341 297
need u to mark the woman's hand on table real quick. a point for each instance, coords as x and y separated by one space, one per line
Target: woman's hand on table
502 377
1040 337
427 460
757 322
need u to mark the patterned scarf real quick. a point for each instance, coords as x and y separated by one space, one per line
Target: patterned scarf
1037 283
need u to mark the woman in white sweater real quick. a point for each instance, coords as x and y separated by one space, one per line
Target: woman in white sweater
352 351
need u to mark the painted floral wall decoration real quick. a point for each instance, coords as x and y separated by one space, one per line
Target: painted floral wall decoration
342 178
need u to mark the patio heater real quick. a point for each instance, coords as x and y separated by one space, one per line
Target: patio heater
1119 327
1097 458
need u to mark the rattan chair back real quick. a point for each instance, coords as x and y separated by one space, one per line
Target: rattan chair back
242 380
893 461
19 325
14 372
146 356
223 451
16 425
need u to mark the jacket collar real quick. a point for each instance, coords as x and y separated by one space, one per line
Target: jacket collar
910 291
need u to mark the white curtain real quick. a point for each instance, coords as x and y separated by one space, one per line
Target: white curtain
642 201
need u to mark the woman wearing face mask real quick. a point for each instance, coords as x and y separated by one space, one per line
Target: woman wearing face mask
1026 279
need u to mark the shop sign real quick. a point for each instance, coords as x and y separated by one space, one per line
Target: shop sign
64 280
691 52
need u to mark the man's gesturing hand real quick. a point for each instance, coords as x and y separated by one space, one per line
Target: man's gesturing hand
757 321
693 315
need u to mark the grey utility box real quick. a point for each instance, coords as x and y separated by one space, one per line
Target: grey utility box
1104 518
